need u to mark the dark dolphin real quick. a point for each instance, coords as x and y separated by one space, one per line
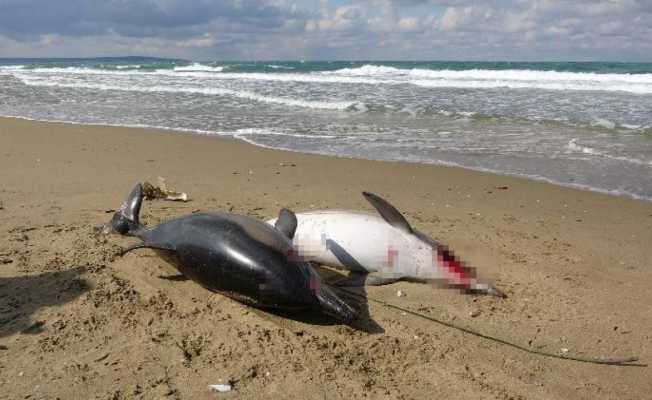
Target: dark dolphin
237 256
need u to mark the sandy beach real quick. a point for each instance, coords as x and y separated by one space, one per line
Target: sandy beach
78 322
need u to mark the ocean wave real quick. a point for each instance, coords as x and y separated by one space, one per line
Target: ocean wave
200 73
274 66
384 75
76 70
198 67
490 74
560 86
574 147
604 123
324 105
515 79
369 70
270 132
288 77
10 69
123 67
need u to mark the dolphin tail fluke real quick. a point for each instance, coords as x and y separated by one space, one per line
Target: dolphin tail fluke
334 306
126 221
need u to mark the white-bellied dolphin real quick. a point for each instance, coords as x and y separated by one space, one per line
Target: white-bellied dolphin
235 255
380 249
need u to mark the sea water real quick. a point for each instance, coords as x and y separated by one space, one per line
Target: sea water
586 125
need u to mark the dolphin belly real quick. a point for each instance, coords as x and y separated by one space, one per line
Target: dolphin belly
354 241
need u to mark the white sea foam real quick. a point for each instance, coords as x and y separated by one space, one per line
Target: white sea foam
369 70
11 67
604 123
516 79
271 132
487 74
325 105
572 86
576 148
203 73
274 66
197 67
288 77
74 70
377 75
573 147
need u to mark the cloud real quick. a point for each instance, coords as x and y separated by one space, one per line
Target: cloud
133 18
326 29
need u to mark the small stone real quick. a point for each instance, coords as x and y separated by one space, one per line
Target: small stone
474 313
20 373
564 350
400 293
222 387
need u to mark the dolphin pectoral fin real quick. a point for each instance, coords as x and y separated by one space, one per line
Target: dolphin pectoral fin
286 223
389 213
371 279
140 246
379 279
353 280
348 261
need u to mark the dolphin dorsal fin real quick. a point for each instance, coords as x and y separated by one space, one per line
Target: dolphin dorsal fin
286 223
389 213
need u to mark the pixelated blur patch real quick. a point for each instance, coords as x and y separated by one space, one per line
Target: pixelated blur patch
446 258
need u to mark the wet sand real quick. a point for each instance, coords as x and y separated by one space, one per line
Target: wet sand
78 322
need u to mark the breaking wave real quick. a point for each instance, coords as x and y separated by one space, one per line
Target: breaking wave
514 79
325 105
197 67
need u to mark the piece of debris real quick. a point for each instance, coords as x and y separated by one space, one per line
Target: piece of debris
104 357
400 293
6 260
474 313
222 387
161 191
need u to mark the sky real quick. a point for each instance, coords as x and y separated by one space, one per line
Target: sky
490 30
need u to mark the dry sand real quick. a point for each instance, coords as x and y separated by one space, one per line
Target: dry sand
77 322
